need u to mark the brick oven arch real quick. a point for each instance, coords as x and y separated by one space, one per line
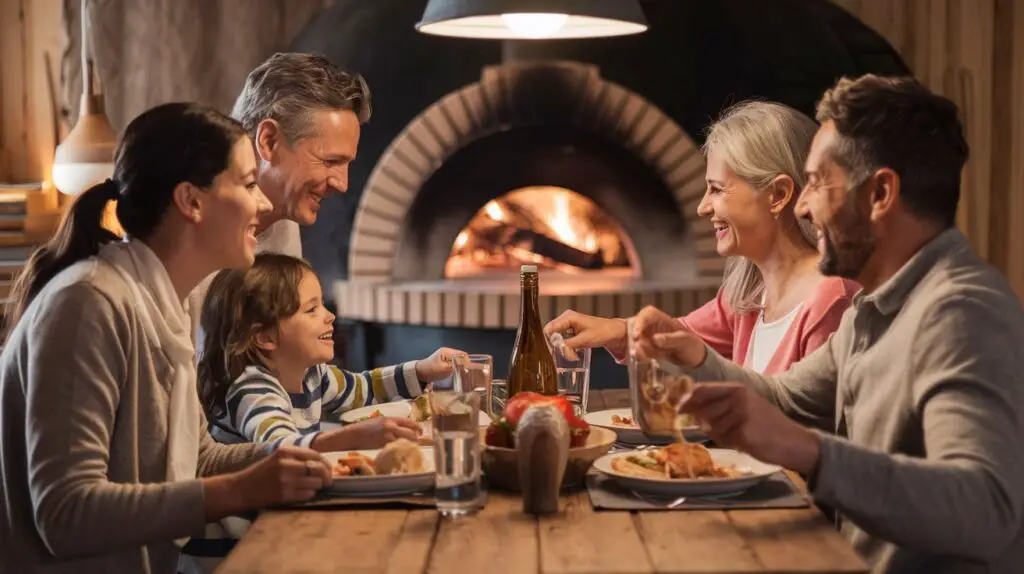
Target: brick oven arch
498 102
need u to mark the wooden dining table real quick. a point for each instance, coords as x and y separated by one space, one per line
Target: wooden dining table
577 540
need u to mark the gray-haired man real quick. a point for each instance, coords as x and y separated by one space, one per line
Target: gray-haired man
304 115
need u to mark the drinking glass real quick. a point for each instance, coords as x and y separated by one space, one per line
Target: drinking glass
472 372
656 391
497 394
573 369
455 417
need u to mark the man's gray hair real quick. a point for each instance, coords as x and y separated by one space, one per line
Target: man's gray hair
290 87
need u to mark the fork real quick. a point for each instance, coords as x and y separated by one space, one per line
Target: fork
669 502
660 501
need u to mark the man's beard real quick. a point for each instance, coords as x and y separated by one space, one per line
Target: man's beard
854 243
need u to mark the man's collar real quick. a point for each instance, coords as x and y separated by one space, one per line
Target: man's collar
891 295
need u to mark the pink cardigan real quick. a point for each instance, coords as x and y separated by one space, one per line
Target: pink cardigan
729 333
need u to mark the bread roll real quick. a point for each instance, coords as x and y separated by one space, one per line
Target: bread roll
401 456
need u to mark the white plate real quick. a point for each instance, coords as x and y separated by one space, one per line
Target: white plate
399 409
382 485
632 434
694 487
393 409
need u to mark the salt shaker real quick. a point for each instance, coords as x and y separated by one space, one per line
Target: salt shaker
542 440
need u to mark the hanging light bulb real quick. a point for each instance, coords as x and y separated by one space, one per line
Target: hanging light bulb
532 19
534 26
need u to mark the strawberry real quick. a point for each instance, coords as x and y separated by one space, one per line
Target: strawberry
500 434
578 436
579 430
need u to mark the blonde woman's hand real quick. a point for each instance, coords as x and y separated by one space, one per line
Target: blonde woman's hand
657 335
437 366
589 331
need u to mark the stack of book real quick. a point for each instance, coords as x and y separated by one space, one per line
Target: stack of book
15 245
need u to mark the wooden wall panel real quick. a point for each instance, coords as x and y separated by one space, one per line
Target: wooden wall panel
971 52
1013 116
30 31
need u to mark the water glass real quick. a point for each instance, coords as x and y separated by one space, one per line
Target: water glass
497 394
656 392
573 368
455 416
472 372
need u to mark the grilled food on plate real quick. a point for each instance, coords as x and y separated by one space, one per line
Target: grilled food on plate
678 460
400 456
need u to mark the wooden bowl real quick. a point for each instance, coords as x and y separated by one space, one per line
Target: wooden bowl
501 465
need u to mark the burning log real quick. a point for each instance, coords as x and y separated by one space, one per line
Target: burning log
501 235
551 227
554 249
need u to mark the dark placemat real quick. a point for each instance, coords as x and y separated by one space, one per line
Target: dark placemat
777 491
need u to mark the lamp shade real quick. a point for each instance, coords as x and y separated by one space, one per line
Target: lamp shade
86 156
532 19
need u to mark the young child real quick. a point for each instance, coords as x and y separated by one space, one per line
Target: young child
264 377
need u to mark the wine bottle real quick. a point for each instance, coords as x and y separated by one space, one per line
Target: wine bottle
532 367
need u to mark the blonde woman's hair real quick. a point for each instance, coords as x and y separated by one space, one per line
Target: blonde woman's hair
760 141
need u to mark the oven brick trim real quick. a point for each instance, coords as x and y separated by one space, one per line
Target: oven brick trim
436 306
484 107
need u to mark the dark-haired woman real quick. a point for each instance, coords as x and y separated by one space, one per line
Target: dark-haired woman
105 461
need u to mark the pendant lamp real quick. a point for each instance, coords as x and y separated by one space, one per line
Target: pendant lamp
532 19
86 156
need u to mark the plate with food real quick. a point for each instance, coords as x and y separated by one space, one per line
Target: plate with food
622 422
401 467
417 409
685 469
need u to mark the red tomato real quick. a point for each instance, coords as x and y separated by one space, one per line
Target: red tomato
578 428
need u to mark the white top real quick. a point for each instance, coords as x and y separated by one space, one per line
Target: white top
766 339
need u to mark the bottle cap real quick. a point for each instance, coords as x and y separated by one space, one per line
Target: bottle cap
528 269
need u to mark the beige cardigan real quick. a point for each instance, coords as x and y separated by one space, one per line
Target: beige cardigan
83 419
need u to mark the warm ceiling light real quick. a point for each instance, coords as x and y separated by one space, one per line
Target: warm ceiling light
532 19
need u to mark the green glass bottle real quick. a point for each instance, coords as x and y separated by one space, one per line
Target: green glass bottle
532 367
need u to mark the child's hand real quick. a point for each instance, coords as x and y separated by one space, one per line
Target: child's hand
437 366
379 431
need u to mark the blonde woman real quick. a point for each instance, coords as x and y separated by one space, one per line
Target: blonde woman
774 306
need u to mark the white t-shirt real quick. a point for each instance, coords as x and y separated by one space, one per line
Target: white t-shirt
766 339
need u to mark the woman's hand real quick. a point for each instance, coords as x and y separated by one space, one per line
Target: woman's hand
656 335
589 331
289 474
377 432
437 366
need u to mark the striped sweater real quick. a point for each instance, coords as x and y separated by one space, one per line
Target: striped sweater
260 410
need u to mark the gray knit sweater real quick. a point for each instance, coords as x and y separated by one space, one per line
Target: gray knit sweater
83 420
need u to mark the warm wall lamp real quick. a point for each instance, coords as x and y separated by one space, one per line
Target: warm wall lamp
532 19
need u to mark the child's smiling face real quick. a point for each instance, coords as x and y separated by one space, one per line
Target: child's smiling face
307 337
